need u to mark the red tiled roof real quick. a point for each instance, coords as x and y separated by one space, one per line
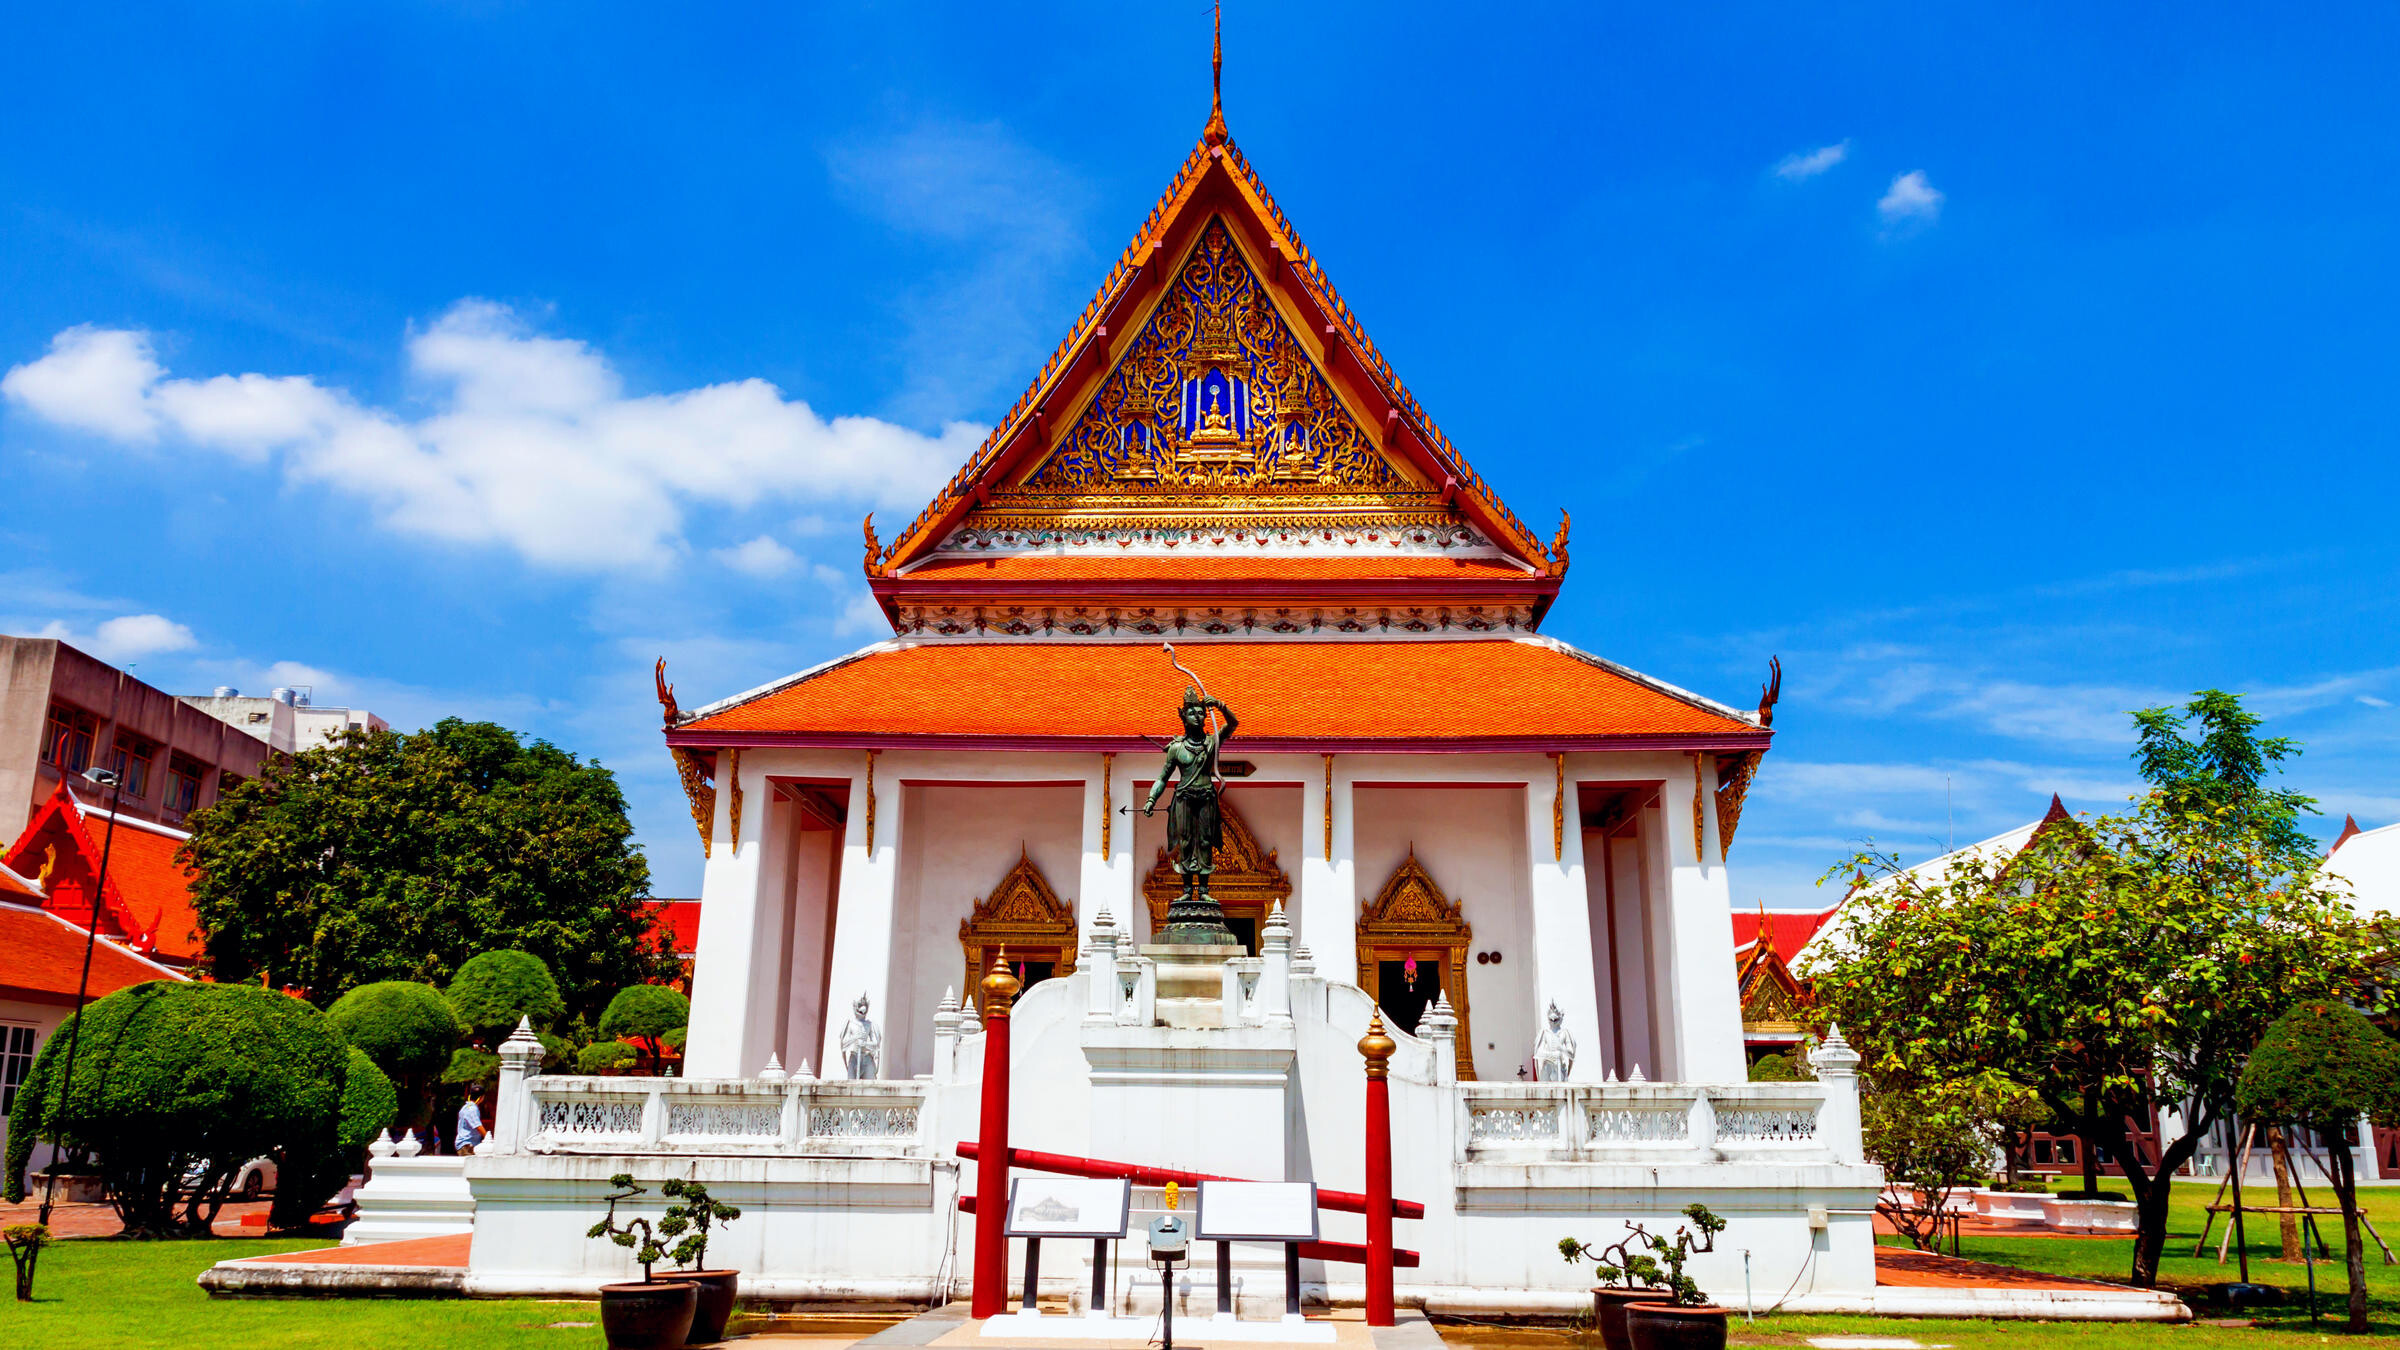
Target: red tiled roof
45 957
1098 566
681 920
142 869
1791 929
1289 694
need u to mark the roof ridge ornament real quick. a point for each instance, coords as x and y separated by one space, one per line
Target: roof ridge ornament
1214 133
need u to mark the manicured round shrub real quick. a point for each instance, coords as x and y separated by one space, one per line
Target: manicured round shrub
1774 1069
646 1011
305 1179
170 1074
606 1057
2320 1067
470 1067
492 991
407 1028
677 1039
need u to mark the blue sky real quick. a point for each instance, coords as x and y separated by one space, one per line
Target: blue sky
2001 368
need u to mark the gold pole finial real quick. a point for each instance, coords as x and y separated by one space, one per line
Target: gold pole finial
1215 134
1377 1047
1000 987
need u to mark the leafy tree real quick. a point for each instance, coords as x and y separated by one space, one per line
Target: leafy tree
606 1057
2112 967
492 991
1928 1140
2222 777
408 1029
643 1016
1774 1068
691 1218
177 1086
388 856
306 1176
2321 1067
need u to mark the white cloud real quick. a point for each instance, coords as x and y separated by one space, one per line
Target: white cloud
532 442
762 557
1809 163
2373 702
1910 201
128 637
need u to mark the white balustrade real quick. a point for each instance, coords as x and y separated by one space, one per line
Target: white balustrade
791 1116
1644 1122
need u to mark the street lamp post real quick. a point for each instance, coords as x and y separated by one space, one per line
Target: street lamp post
106 778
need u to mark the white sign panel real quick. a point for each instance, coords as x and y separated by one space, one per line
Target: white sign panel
1258 1211
1040 1207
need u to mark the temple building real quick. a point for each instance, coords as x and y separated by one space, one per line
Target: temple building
1431 809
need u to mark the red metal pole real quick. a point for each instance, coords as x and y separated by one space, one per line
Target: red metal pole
1378 1048
990 1297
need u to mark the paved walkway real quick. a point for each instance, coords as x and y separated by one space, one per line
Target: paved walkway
1906 1268
448 1250
89 1221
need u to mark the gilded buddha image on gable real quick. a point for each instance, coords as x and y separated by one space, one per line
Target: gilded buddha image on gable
1215 391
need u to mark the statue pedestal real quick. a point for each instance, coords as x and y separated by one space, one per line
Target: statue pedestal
1207 1100
1191 982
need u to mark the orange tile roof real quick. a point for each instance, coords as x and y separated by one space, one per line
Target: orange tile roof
12 884
45 957
1502 693
1215 566
142 869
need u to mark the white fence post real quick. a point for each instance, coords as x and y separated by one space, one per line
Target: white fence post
518 1056
1838 1127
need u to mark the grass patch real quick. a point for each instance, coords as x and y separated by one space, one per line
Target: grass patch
104 1292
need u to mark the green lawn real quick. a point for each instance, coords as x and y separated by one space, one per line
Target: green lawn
103 1292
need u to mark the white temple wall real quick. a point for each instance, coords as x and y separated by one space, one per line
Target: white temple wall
1471 840
957 843
1621 958
815 880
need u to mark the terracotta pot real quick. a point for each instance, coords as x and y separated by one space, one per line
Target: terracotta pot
1663 1326
717 1290
1609 1302
652 1316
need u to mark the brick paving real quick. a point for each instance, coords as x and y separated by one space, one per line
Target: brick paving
448 1250
1901 1267
91 1221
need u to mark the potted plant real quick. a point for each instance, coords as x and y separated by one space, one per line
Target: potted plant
652 1314
1686 1320
1618 1270
689 1219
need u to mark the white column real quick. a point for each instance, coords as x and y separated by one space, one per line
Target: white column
1328 917
1562 923
1111 883
1707 1004
863 916
1838 1125
736 958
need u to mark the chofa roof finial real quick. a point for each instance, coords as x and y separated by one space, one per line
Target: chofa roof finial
1215 132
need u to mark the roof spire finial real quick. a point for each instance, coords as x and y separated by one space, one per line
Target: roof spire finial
1214 134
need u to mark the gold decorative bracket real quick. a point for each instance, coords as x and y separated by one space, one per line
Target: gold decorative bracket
1108 808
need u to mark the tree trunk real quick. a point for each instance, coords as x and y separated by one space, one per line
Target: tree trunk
2354 1249
2282 1157
2091 1145
2152 1189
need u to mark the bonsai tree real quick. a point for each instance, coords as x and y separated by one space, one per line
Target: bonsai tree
642 1016
646 1248
1660 1266
690 1218
176 1086
2320 1067
25 1243
409 1030
493 991
606 1057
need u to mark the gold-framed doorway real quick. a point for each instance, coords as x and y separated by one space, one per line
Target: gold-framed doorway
1023 916
1410 919
1247 883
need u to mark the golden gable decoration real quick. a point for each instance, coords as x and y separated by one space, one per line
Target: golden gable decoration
1247 880
1025 917
1771 997
1411 918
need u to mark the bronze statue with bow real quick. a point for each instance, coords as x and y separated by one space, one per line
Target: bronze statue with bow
1195 824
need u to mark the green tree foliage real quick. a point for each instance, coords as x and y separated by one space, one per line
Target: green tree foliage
408 1029
2222 776
643 1016
2111 967
690 1219
306 1178
1928 1139
383 856
2321 1067
495 989
606 1057
176 1086
1774 1068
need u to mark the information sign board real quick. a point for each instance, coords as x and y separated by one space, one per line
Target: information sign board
1257 1211
1069 1207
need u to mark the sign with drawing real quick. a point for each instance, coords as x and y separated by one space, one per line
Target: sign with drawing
1068 1207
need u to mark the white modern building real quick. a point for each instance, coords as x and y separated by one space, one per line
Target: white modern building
287 719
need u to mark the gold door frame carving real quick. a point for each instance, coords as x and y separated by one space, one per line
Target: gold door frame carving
1023 915
1410 915
1247 881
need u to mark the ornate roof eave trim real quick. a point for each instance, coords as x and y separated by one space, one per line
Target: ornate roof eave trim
899 588
1298 268
1264 745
